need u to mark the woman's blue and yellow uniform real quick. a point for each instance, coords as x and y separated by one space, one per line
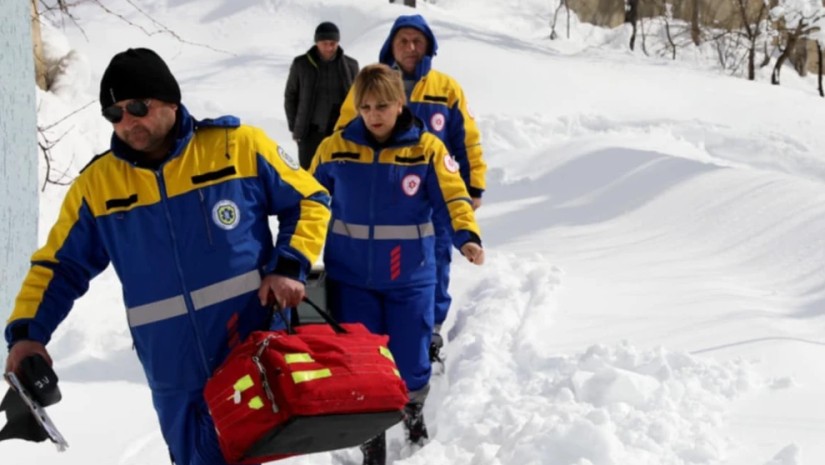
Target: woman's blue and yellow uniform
440 102
387 202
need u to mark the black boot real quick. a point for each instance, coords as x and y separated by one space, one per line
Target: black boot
414 423
375 450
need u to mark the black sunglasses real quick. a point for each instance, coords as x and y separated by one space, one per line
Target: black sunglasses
137 108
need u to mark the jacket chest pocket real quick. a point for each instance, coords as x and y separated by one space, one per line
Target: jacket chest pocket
220 216
206 218
224 223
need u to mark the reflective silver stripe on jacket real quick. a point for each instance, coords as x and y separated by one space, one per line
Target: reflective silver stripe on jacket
362 231
156 311
201 298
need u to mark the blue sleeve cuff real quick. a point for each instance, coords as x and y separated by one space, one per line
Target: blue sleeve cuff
289 267
26 330
464 236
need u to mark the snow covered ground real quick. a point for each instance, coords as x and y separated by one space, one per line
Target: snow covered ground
655 285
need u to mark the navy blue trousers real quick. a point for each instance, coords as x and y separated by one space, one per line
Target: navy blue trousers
443 257
187 428
404 314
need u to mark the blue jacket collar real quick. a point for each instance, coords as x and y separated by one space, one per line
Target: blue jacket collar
407 131
416 22
184 128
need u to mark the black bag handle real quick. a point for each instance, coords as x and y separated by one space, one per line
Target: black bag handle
294 320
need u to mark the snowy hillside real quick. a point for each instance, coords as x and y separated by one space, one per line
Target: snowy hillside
655 287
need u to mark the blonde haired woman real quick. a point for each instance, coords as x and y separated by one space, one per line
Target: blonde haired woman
390 181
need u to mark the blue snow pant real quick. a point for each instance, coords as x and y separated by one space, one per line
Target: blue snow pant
443 257
404 314
187 428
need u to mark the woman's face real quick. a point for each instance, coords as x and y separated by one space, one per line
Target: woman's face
379 116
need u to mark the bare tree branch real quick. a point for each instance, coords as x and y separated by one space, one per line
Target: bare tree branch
46 144
163 29
65 12
52 125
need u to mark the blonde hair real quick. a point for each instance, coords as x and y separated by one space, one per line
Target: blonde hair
380 81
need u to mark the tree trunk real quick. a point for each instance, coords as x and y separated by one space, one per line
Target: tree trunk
40 71
631 15
777 67
752 33
695 30
819 74
766 56
670 39
553 34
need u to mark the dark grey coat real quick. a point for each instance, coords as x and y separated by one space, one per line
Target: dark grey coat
299 96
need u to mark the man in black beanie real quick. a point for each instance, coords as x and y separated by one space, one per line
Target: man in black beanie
140 75
180 208
317 84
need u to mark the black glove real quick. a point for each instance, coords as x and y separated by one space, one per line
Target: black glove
40 382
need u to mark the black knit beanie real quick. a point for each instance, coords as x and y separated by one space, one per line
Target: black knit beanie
327 31
137 73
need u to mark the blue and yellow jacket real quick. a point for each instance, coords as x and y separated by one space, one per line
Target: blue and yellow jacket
385 198
440 102
188 241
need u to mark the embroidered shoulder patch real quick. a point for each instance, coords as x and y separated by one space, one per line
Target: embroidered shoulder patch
450 163
290 162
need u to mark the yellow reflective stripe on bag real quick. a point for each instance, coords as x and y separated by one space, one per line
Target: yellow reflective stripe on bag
298 358
386 353
243 384
256 403
310 375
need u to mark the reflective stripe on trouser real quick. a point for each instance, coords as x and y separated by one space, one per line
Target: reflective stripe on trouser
405 314
383 232
443 257
187 428
201 298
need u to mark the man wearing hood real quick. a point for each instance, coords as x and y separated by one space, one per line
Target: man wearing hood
317 84
439 101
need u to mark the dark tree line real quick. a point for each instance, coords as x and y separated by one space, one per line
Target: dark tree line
746 34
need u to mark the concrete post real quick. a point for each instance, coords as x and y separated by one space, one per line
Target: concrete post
18 153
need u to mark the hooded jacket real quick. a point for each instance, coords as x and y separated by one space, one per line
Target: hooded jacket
189 242
385 198
440 102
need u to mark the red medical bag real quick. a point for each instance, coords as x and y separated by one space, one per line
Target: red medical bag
314 388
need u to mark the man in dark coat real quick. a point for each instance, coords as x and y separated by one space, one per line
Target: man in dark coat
317 84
